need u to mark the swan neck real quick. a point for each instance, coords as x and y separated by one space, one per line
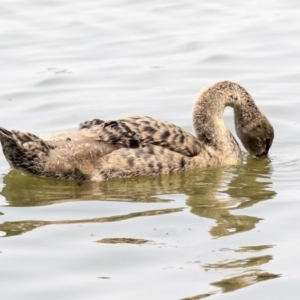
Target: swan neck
208 114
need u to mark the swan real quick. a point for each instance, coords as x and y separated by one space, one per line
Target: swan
142 146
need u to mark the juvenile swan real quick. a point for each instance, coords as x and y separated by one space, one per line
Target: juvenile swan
139 146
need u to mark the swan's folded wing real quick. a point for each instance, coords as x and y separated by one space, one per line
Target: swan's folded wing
110 132
138 131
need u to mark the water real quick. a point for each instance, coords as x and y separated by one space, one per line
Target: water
224 233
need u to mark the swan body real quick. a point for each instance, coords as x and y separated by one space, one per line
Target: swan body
141 146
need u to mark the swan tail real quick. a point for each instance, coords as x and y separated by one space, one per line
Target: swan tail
23 151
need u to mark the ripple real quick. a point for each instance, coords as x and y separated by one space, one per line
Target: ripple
21 227
242 281
123 241
62 63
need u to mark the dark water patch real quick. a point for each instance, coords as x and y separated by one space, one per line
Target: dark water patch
20 227
242 281
254 248
122 241
241 263
37 191
198 297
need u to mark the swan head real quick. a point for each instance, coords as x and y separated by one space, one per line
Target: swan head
256 136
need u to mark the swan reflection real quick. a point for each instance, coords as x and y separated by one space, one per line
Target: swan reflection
218 194
210 194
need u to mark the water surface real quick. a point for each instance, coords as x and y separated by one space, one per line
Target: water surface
223 233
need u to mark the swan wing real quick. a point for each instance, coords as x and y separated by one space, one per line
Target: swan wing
138 131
